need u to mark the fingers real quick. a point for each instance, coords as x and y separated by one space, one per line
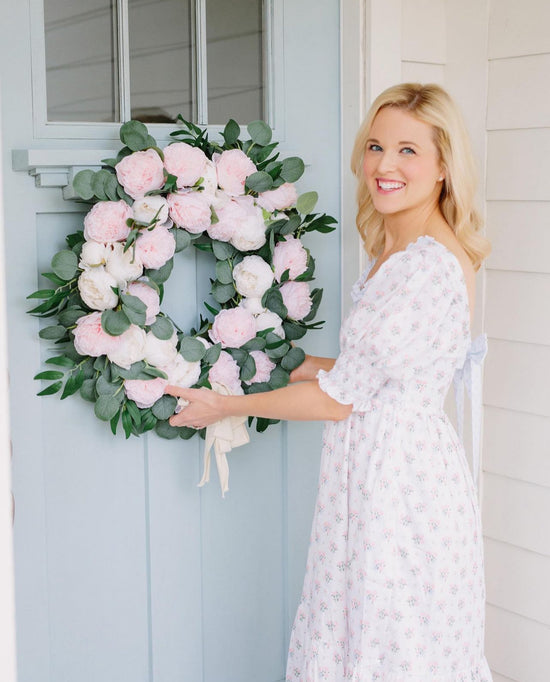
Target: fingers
185 393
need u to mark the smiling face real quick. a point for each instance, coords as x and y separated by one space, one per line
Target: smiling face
401 164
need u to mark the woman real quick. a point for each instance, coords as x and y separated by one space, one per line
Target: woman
394 588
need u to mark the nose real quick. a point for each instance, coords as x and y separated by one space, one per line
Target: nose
387 162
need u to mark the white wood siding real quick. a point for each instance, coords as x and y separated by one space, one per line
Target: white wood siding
516 455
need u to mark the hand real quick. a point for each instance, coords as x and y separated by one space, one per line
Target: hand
205 407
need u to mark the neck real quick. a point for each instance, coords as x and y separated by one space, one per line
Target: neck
402 228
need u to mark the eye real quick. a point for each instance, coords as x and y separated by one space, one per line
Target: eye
374 147
407 150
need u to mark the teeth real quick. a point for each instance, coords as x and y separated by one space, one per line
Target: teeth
390 185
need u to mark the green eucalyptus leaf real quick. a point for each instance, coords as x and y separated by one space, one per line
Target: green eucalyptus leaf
162 328
114 322
294 330
307 202
260 181
106 407
224 272
87 390
222 292
279 378
65 264
69 316
260 133
182 237
248 369
293 359
273 300
192 349
257 343
165 430
292 169
82 184
98 184
223 250
164 407
52 333
212 354
106 387
162 274
231 132
134 135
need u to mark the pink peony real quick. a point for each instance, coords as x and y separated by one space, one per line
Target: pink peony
145 392
106 222
278 199
187 163
297 299
233 167
90 337
226 372
264 367
140 172
149 296
233 328
249 234
289 255
190 210
155 247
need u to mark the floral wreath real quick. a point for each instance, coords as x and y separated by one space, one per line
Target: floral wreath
235 200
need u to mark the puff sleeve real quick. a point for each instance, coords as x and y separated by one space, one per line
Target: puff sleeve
412 314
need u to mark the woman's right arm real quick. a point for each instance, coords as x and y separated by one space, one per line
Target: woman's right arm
307 371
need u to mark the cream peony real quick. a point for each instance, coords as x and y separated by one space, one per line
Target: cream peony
249 233
187 163
128 348
190 210
291 255
268 320
155 247
278 199
147 209
159 352
253 305
140 172
106 222
96 289
233 167
297 299
183 373
264 367
233 328
90 337
92 254
145 392
210 182
253 276
226 371
147 295
121 264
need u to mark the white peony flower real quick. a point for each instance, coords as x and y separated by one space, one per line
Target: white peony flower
147 208
95 286
253 276
158 352
121 265
183 373
92 254
267 320
253 305
128 348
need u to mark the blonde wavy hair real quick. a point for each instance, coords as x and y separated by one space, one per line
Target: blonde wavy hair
431 104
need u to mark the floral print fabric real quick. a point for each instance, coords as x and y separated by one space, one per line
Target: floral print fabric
394 588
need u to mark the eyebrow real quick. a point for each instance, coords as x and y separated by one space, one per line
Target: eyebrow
414 144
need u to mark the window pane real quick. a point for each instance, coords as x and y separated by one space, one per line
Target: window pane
161 60
235 60
80 60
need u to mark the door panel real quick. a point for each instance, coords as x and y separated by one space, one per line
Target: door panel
125 569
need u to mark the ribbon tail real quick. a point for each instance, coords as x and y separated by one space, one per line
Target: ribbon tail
476 419
207 455
223 470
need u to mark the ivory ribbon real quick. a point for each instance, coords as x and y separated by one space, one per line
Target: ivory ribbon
469 376
223 436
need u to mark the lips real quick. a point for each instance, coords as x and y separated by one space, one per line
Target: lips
389 185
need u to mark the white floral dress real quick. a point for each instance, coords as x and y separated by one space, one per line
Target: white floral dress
394 588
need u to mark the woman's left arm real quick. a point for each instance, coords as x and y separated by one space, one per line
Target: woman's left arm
297 402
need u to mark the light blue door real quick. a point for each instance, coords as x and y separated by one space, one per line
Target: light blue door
125 569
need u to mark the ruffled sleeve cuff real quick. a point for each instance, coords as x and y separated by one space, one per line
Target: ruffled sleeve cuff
333 387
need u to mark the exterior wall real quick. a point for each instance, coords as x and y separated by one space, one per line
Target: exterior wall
517 375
